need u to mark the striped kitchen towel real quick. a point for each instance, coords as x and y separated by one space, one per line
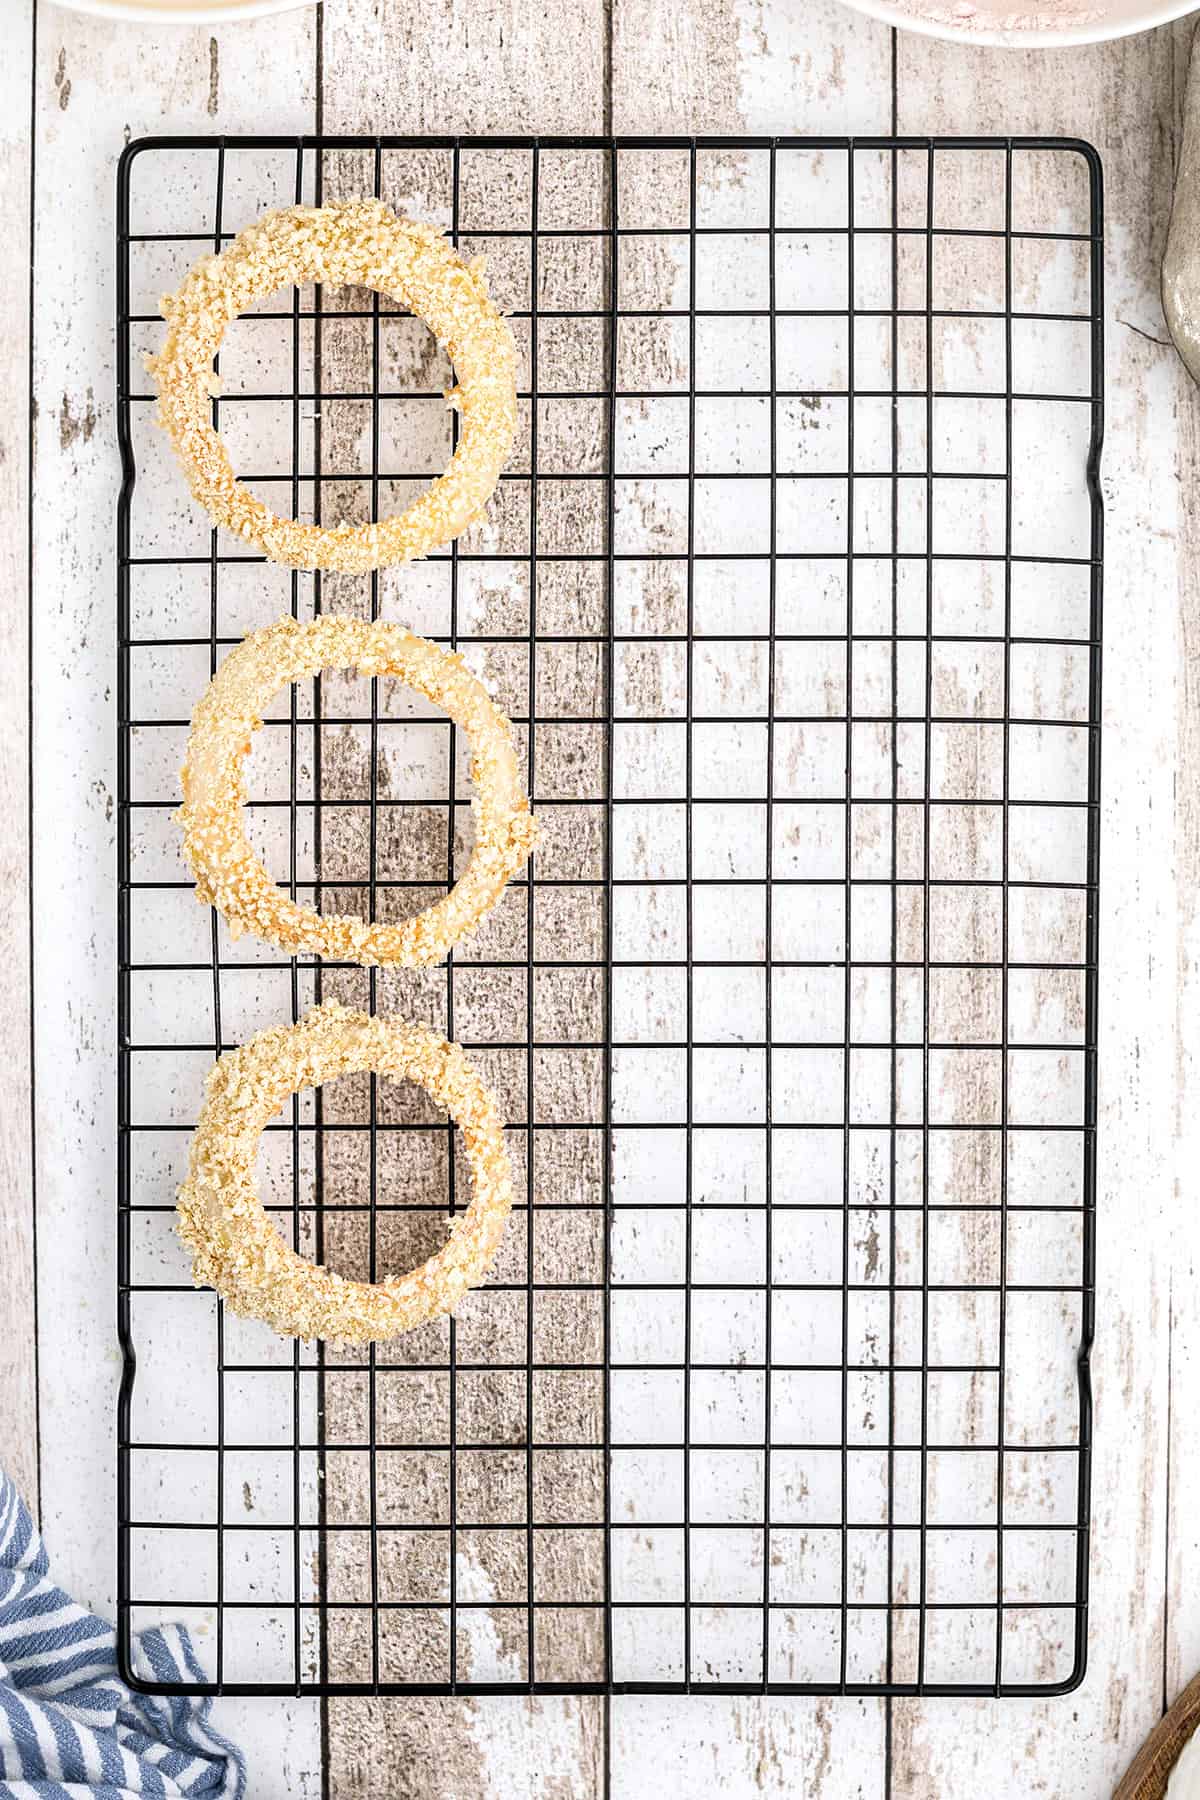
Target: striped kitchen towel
68 1724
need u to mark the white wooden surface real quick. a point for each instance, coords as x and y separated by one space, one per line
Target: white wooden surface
94 84
18 1365
710 65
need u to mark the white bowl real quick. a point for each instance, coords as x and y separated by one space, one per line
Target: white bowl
182 12
1037 25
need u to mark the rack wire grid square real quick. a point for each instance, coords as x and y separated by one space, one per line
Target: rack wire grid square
792 589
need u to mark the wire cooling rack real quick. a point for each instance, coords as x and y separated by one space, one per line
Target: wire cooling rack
792 588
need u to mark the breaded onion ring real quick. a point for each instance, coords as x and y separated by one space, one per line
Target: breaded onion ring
229 875
362 243
237 1250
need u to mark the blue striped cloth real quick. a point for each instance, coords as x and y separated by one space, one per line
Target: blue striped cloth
68 1724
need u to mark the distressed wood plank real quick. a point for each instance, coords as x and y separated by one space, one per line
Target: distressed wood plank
825 1749
1182 1650
754 66
745 66
97 85
18 1365
511 66
1120 97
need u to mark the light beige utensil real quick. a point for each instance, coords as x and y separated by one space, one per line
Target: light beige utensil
1181 264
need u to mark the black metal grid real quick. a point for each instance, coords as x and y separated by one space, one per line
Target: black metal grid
609 1555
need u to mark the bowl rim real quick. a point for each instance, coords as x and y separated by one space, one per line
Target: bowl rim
193 12
1093 31
213 12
